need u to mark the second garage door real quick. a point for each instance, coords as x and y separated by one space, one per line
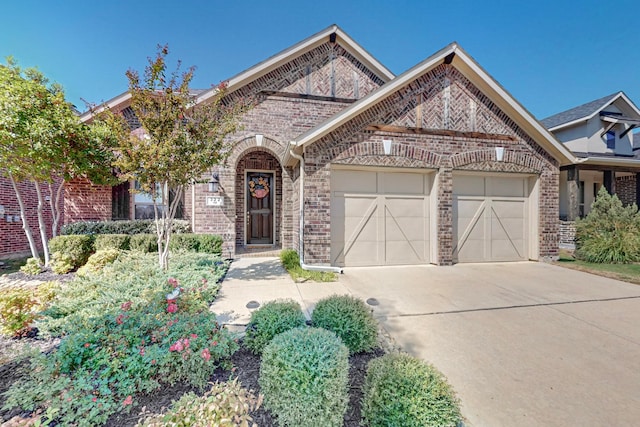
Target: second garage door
379 217
490 218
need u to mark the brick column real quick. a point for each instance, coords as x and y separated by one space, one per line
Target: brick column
445 215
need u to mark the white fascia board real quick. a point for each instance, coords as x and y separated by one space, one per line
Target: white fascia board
592 115
374 97
608 161
514 105
88 115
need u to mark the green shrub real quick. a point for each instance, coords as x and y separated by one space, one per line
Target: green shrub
186 242
272 319
74 250
303 376
17 311
146 243
225 404
61 263
350 319
32 267
290 259
111 241
121 336
138 226
401 390
610 233
210 244
98 261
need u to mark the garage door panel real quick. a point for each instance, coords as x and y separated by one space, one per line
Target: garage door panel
403 183
385 224
354 181
491 225
403 252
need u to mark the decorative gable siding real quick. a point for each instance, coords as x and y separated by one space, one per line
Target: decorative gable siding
440 121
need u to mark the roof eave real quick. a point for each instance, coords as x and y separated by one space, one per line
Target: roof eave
113 102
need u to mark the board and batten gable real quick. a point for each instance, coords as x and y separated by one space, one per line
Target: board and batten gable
442 123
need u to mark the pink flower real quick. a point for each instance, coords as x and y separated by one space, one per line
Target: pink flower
204 281
153 362
142 351
172 308
86 345
172 347
215 343
128 401
185 341
173 282
206 355
95 399
194 336
119 320
126 306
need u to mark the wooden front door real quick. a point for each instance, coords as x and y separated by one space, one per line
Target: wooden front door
259 190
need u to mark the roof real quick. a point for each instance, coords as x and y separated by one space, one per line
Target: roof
584 112
277 60
458 58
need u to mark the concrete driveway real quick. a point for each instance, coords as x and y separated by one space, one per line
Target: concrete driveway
524 344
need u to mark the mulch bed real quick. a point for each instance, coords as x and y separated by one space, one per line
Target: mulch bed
247 370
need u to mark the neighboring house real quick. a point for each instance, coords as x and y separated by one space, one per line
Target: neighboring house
599 133
353 166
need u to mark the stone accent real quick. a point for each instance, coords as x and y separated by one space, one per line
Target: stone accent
568 233
468 110
13 240
626 189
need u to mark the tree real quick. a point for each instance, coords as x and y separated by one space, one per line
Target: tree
42 141
179 139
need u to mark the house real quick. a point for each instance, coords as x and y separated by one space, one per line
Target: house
352 165
599 134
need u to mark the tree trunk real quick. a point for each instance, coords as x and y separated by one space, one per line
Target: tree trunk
42 225
25 224
55 204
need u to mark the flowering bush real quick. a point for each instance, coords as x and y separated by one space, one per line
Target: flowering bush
132 346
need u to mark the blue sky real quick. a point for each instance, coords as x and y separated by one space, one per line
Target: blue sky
550 55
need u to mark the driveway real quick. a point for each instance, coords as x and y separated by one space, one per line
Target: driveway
524 344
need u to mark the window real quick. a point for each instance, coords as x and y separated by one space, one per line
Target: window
581 199
611 139
120 201
144 203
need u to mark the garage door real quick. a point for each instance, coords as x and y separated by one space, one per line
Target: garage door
379 218
490 218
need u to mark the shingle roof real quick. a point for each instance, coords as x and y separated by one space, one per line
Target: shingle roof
576 113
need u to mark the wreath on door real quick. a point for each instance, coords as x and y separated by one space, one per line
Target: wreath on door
259 188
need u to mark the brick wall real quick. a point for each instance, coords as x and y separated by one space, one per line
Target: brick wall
568 233
13 241
84 201
467 110
279 119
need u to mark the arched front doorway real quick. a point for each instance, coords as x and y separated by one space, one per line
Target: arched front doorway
258 199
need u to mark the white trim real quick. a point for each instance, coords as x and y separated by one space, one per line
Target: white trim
608 161
272 192
605 105
123 97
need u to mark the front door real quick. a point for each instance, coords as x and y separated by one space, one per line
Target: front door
259 189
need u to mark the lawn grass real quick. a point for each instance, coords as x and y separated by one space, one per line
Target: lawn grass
291 262
625 272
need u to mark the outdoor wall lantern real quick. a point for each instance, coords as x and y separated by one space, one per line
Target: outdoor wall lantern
214 183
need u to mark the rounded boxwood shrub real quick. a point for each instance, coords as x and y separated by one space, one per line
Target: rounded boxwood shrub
401 390
98 260
111 241
304 376
350 319
270 320
73 250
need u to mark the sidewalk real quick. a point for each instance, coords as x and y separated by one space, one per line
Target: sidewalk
262 280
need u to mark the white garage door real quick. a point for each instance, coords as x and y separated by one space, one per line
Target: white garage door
490 218
379 218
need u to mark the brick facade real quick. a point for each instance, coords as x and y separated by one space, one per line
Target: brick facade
85 201
626 189
467 109
13 241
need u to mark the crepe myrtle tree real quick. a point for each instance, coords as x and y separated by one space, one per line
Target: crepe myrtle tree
179 139
42 141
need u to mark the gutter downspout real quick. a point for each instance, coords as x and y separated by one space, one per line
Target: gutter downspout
301 231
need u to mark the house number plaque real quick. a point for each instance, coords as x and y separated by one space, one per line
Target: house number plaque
215 201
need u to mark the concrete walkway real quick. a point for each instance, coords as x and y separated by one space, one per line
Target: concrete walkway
264 279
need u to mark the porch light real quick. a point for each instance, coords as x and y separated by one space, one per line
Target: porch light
214 183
